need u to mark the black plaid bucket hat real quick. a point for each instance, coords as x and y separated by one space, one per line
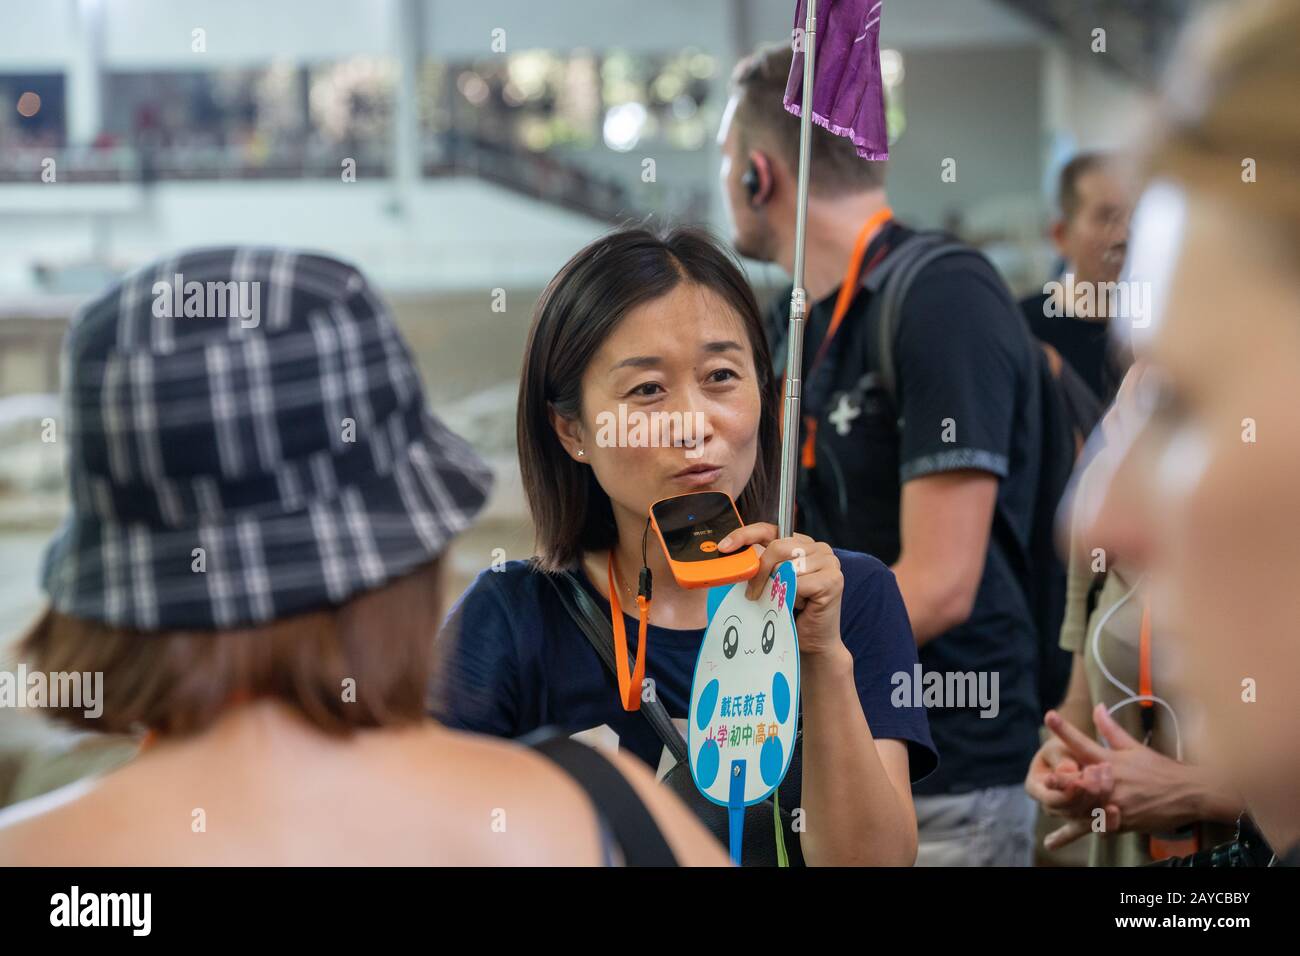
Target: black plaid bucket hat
247 439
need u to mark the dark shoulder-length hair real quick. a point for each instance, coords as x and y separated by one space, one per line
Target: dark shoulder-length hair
576 313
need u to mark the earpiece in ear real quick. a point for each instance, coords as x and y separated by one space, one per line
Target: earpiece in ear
750 181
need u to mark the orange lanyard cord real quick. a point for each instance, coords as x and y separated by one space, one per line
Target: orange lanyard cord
1146 706
629 685
848 289
1144 656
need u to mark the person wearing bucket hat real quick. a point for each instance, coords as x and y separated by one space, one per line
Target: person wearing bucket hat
260 504
281 433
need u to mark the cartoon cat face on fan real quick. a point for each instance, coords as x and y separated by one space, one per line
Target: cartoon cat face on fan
744 698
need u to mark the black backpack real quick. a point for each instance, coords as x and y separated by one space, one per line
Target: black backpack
1068 412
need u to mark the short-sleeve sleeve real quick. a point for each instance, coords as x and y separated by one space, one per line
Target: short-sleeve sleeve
476 670
875 628
957 355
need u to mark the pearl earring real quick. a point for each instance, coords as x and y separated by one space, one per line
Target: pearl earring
581 452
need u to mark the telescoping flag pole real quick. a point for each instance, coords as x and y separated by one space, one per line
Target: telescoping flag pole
798 297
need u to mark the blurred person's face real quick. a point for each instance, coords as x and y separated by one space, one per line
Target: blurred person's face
685 358
1095 239
751 231
1205 495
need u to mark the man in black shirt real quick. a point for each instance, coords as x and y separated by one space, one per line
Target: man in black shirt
1073 313
937 479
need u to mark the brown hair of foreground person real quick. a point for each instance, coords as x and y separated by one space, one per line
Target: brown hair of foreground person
182 682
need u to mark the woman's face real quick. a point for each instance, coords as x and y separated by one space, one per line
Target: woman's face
670 403
1206 491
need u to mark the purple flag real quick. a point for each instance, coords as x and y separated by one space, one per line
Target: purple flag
848 95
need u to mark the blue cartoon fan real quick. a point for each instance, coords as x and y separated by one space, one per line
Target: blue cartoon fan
745 697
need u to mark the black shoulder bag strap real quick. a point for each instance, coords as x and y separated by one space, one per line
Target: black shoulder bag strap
617 804
600 634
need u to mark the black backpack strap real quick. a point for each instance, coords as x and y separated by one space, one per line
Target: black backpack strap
891 280
619 807
1083 410
600 635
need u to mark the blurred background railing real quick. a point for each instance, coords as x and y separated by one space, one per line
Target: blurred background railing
522 171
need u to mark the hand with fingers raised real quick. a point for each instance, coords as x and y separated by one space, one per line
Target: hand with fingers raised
1139 788
819 581
1071 776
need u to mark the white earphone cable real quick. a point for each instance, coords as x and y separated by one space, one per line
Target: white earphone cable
1132 696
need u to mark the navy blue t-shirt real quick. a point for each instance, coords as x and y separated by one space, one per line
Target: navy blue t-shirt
511 659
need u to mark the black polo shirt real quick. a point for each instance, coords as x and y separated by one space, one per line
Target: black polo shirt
968 398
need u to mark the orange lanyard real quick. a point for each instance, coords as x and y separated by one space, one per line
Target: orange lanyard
629 684
1144 658
848 289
